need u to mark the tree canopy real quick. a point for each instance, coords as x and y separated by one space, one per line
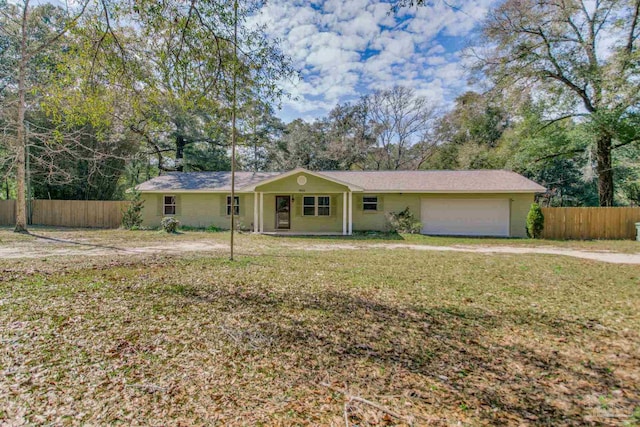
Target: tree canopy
581 58
99 96
90 89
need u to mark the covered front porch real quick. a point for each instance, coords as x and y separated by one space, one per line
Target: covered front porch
303 214
304 203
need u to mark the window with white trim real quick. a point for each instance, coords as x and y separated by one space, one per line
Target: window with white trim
169 205
236 207
316 206
370 203
324 206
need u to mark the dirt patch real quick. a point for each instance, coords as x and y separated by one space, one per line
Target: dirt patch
98 250
83 247
610 257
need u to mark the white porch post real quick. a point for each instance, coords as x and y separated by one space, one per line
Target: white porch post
344 213
350 213
262 212
256 226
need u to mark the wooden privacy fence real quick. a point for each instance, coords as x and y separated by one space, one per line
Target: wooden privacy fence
68 213
590 223
7 212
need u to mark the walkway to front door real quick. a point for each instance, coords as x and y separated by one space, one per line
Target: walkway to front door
283 212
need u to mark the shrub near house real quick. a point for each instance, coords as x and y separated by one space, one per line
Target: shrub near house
132 215
169 224
404 222
535 221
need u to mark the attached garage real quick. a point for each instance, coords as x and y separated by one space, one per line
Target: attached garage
466 217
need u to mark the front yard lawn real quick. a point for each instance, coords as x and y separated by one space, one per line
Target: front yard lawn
292 337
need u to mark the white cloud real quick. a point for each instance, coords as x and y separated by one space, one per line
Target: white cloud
345 49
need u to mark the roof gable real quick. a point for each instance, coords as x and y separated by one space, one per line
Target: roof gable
301 172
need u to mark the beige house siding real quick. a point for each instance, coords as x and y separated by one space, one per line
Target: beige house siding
368 220
520 205
198 210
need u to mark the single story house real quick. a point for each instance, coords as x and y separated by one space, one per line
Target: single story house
479 202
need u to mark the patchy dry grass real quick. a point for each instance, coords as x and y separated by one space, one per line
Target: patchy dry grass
286 337
123 238
624 246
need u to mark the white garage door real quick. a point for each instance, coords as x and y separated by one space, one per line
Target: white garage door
466 217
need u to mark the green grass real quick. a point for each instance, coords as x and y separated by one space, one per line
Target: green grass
282 335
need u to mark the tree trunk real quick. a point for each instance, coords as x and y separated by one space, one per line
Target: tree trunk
255 153
21 202
605 172
180 143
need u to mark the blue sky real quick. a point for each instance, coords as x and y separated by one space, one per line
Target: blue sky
348 48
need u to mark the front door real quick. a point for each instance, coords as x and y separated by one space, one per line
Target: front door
283 212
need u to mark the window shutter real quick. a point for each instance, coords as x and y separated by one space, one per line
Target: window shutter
297 206
380 203
223 205
359 198
160 204
333 206
178 207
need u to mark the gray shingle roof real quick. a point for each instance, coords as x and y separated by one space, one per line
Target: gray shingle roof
484 181
203 181
438 181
